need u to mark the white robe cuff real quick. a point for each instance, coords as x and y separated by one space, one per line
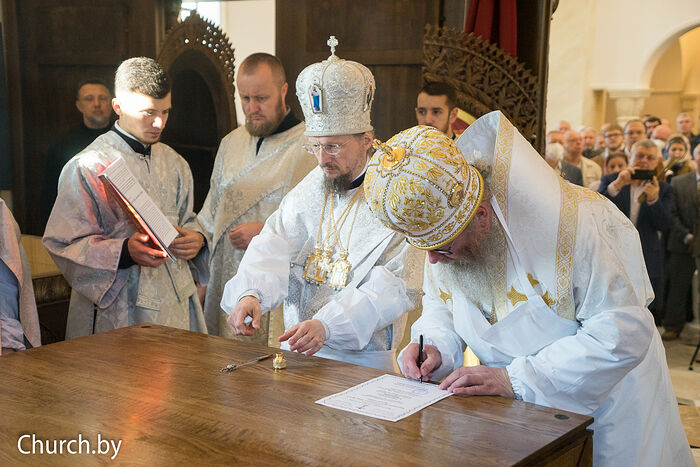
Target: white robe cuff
264 268
355 314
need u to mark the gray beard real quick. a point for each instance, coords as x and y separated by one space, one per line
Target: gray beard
474 275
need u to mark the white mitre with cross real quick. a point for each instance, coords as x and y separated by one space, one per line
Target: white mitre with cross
336 96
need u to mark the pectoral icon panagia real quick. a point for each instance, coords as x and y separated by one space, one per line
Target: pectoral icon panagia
317 265
339 272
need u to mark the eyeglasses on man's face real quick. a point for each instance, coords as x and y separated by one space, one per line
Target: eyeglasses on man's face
445 250
330 149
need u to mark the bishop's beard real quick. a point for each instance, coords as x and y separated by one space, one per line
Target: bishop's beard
475 274
339 184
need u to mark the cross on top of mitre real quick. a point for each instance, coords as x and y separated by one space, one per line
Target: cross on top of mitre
332 42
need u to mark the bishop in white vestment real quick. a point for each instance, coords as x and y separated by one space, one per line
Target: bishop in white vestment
345 279
543 280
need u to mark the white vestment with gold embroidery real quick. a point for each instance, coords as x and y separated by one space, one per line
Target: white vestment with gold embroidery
245 187
365 320
573 330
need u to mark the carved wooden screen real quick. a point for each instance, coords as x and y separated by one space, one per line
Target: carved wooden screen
199 58
485 76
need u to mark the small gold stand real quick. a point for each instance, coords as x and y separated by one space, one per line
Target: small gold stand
279 362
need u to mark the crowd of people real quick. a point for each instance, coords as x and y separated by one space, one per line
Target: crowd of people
651 174
347 233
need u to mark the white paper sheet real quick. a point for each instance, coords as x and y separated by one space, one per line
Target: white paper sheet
387 397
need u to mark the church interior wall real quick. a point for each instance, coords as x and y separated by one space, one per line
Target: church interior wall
569 59
250 25
605 60
666 85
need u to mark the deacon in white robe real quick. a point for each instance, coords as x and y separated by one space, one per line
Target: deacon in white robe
117 279
546 284
19 322
345 279
256 165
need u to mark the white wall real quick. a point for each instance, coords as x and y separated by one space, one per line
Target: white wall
250 26
612 46
631 35
570 54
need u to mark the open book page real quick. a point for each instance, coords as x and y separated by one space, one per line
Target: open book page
121 183
387 397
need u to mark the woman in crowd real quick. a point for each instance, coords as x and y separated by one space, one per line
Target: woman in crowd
679 161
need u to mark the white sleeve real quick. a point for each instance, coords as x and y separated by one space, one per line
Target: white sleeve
356 313
577 372
437 327
264 268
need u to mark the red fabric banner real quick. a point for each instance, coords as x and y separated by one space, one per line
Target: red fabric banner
495 21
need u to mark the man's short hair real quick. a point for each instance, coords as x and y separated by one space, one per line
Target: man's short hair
142 75
89 81
632 121
252 62
644 143
613 127
440 88
653 120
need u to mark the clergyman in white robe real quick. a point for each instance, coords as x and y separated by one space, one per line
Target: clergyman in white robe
246 187
20 322
86 232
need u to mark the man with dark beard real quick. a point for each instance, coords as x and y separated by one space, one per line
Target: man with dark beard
543 280
346 280
255 167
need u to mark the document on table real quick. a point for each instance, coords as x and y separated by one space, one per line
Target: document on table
387 397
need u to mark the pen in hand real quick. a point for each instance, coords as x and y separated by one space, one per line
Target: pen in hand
419 361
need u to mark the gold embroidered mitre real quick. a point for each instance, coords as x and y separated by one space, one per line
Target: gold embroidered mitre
419 184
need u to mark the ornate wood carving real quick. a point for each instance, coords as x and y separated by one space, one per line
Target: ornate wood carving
485 76
203 37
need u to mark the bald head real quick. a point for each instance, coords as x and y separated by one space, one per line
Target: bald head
250 65
662 132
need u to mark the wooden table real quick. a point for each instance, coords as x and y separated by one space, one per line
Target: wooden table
159 391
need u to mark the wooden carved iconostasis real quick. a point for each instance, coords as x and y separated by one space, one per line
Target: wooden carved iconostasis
486 78
199 59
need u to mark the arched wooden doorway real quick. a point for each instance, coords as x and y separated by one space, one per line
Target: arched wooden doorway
199 60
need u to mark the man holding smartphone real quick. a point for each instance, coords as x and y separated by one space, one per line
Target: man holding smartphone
647 202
